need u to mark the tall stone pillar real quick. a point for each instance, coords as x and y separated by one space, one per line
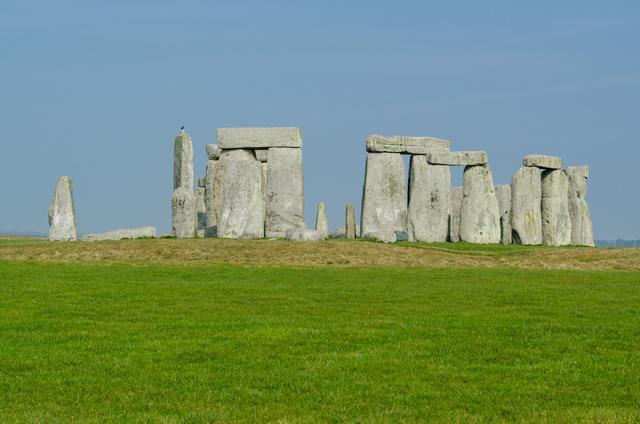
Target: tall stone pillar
350 222
503 193
213 155
454 219
201 209
183 161
556 222
284 191
581 226
322 224
479 221
526 206
62 212
183 213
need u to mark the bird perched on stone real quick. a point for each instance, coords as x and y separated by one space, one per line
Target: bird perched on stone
181 130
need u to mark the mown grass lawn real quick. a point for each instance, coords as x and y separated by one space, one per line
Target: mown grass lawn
199 343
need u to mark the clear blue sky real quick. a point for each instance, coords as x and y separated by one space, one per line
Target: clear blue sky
97 90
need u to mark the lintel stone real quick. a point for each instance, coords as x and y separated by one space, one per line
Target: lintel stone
405 144
457 158
542 161
259 138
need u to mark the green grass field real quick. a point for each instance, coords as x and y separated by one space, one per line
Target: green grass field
136 341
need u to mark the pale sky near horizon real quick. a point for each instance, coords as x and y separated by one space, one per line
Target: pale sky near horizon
97 90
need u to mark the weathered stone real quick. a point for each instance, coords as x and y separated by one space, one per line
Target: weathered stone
351 229
339 233
405 144
242 211
429 201
259 138
62 212
121 234
542 161
556 222
213 151
183 161
454 220
303 234
479 213
526 206
322 224
457 158
183 213
218 177
581 225
209 193
262 154
503 193
285 191
384 198
201 210
386 236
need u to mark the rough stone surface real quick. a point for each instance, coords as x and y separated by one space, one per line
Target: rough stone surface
503 193
556 222
259 138
209 194
62 212
542 161
479 213
201 210
581 225
351 229
526 206
218 177
458 158
405 144
183 161
429 201
341 232
303 234
213 151
262 155
284 191
322 224
242 211
121 233
384 197
454 220
183 213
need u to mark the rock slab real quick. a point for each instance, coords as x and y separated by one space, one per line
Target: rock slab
209 194
526 206
581 225
454 219
303 234
284 191
322 224
121 234
351 230
479 213
542 161
405 144
213 151
259 138
556 222
183 213
458 158
62 212
503 193
201 209
183 161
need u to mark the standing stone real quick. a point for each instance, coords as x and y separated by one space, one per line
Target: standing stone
209 194
322 224
479 213
62 212
350 222
183 161
556 222
581 225
526 206
284 191
454 220
218 176
201 209
242 211
183 213
503 193
384 198
429 201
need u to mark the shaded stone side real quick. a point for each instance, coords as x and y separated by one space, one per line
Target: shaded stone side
183 213
581 225
62 212
556 222
350 222
479 213
201 209
284 191
454 218
503 193
183 161
526 206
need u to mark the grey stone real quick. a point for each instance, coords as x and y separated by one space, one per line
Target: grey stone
284 191
384 197
183 213
183 161
386 236
351 229
458 158
543 161
503 193
62 212
259 138
454 220
201 210
479 213
526 206
556 222
209 193
218 178
303 234
341 232
581 225
213 151
262 154
322 224
121 234
429 201
242 211
405 144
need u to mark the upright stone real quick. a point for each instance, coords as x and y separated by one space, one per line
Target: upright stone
503 193
479 213
62 212
183 161
384 198
183 213
201 209
209 194
284 191
350 222
581 225
454 220
526 206
322 224
556 222
218 176
429 201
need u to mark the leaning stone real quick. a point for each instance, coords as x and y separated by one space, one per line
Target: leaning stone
405 144
458 158
262 154
303 234
454 220
213 151
479 213
121 234
429 201
62 212
581 225
503 193
322 225
183 161
284 191
351 229
201 209
542 161
384 198
259 138
242 212
183 213
556 222
526 206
